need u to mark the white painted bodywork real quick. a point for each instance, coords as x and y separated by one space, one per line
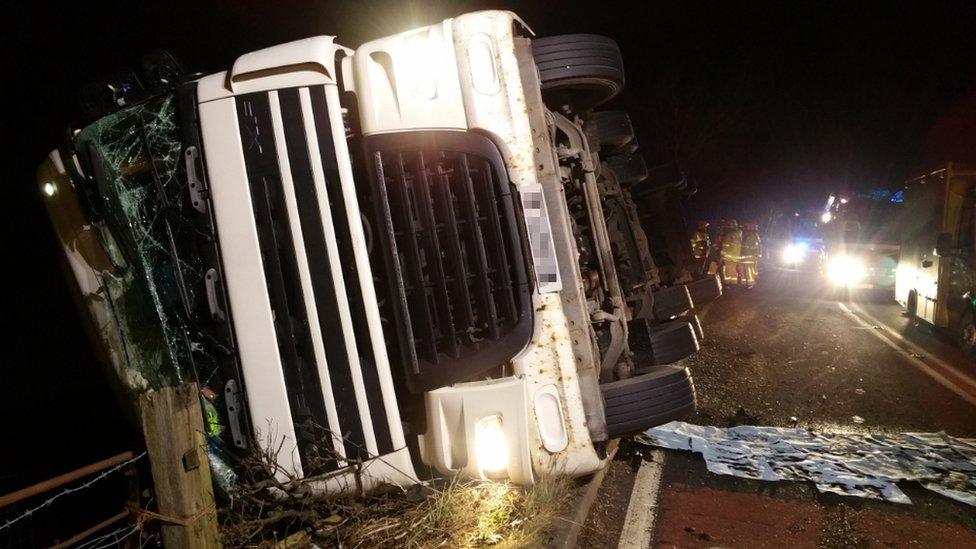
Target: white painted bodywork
308 65
491 103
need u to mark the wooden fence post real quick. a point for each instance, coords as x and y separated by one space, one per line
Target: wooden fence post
172 423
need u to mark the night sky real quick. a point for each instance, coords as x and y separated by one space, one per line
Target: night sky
763 104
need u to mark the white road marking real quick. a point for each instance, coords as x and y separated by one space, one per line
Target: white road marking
914 355
915 348
638 529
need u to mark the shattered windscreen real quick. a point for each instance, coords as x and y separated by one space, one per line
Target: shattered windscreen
135 157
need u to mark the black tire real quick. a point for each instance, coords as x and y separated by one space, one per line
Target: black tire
629 169
613 130
695 324
671 301
672 341
966 334
664 177
579 70
911 310
629 148
705 290
638 403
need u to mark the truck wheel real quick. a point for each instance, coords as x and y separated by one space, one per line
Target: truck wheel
629 148
693 321
671 301
629 169
966 334
579 70
664 177
705 290
672 341
638 403
612 129
911 310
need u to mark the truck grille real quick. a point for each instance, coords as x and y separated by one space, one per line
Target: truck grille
330 358
452 245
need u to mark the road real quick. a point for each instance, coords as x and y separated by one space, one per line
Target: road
798 355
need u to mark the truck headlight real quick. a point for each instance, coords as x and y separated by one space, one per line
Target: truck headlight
793 253
491 446
846 271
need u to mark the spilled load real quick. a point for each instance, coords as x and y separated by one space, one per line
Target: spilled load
419 253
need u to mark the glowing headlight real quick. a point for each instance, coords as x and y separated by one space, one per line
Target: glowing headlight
793 253
491 445
845 271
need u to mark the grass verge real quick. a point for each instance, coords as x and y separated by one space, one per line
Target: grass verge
440 513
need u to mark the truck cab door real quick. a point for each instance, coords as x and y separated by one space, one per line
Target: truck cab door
956 276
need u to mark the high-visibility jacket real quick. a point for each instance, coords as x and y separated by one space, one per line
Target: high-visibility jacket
751 246
732 245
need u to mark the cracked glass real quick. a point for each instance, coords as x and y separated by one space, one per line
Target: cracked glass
156 284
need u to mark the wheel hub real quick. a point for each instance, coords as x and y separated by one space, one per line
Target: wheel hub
969 335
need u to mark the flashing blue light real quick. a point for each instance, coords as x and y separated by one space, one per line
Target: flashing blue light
898 197
880 194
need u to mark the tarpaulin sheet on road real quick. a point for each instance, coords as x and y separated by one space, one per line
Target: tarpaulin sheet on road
851 464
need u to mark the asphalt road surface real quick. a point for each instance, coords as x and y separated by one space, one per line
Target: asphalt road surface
795 354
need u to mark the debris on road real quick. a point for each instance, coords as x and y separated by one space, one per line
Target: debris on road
857 419
852 464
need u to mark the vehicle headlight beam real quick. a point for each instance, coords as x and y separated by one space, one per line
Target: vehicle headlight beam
491 446
846 271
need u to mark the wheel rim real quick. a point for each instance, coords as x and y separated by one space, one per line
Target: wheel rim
969 337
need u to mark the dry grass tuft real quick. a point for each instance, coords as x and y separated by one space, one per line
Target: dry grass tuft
440 513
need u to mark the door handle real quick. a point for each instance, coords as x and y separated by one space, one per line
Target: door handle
926 263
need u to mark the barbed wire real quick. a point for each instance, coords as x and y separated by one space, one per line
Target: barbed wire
96 543
66 491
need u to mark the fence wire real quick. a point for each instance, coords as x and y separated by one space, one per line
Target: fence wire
49 501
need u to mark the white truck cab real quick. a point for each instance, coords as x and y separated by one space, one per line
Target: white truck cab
378 259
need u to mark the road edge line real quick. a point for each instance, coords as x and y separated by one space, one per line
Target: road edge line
949 368
910 358
639 523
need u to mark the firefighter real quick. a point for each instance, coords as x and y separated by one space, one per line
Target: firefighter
715 251
700 245
751 252
731 249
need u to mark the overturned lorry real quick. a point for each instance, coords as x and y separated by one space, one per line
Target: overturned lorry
411 255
